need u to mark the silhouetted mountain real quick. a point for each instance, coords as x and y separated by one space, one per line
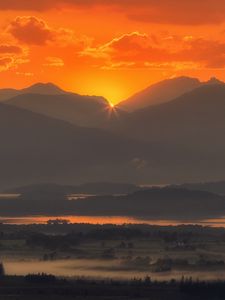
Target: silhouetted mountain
195 118
217 187
50 100
163 91
175 142
86 111
43 89
95 188
189 132
155 203
35 148
38 88
41 187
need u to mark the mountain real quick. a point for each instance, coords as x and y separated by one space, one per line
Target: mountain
216 187
189 132
154 203
43 89
95 188
35 148
50 100
196 117
163 92
38 88
86 111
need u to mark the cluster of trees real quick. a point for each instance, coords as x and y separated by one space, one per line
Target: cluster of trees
40 278
52 242
2 270
49 285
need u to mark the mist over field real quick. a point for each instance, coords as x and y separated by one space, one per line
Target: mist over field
112 150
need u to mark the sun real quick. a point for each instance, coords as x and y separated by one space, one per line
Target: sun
111 105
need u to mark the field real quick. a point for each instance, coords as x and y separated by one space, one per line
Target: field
109 251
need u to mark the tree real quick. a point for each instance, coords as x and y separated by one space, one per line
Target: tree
2 270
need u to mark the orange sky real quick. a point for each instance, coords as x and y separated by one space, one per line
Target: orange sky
110 47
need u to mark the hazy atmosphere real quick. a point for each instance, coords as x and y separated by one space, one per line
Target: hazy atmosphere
112 149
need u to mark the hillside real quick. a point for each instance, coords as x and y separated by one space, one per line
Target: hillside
195 118
163 91
154 203
35 148
80 110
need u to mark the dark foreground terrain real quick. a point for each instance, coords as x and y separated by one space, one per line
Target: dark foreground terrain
111 251
111 262
44 286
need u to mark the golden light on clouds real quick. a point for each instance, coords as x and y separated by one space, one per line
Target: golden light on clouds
110 48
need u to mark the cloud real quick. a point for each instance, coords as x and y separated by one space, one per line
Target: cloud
31 30
139 50
139 163
26 74
26 5
185 12
10 49
54 62
5 63
11 62
134 46
11 56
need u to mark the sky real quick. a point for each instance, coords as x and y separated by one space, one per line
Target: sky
111 48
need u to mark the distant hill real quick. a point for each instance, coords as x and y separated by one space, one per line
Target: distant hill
38 88
50 100
195 118
88 111
189 132
163 91
35 148
43 89
155 203
95 188
174 142
217 187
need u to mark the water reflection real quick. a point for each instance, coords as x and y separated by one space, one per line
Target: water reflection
220 222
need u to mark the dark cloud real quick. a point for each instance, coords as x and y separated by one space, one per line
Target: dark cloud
185 12
34 31
6 63
10 49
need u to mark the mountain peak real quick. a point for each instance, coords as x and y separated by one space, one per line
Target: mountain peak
160 92
44 88
214 80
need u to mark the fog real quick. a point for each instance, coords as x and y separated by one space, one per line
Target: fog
93 268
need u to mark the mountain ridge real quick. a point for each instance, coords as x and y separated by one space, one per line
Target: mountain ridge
163 92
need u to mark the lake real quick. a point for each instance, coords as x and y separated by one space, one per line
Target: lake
109 220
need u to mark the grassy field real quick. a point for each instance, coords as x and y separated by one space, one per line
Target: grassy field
114 252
